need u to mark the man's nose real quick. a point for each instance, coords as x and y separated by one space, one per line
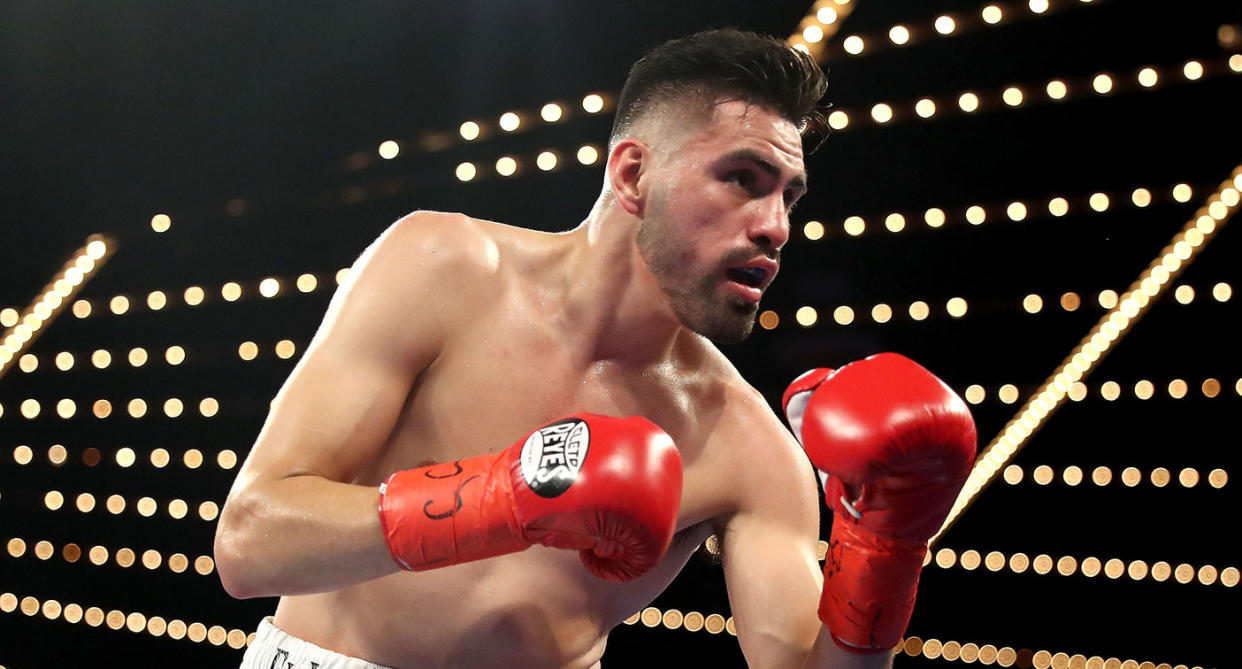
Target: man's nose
770 229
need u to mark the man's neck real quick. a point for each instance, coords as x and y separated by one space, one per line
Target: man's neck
611 293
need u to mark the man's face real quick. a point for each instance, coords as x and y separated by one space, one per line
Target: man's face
718 215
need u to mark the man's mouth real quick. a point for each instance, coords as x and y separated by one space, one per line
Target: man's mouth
747 276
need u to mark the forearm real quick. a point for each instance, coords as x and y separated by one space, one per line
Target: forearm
300 535
826 654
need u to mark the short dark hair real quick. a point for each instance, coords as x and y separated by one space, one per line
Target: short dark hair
725 62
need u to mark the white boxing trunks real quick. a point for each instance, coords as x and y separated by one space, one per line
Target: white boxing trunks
274 648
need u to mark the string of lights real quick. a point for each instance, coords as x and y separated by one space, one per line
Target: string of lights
146 507
67 408
24 329
1108 390
151 559
814 30
692 621
1018 210
1006 656
1101 476
957 307
1132 304
1090 567
136 622
125 457
1054 91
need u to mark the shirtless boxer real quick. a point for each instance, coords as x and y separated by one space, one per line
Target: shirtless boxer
438 387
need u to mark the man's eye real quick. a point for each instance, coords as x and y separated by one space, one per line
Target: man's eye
740 177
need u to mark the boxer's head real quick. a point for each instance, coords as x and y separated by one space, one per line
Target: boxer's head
706 151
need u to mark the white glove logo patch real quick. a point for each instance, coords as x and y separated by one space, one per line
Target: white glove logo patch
552 456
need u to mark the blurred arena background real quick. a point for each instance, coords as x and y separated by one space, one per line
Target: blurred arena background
1030 198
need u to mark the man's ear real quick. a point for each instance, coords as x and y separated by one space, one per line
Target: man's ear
628 162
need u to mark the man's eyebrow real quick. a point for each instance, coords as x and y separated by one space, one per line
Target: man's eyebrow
759 160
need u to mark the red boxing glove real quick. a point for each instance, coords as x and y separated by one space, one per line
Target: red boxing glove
895 445
607 487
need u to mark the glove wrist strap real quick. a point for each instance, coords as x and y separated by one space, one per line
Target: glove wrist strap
450 513
869 587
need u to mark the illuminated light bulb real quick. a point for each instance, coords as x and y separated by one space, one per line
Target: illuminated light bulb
968 102
882 113
1182 192
806 316
925 108
1098 202
919 310
388 149
843 315
898 35
85 263
1194 237
976 215
826 16
1012 96
975 394
838 120
813 34
1102 83
1038 6
1148 77
1222 291
551 112
1032 303
194 296
161 222
9 316
1235 62
1192 70
546 161
231 291
96 250
1141 197
813 230
800 46
1056 89
119 304
992 15
587 154
853 45
934 217
881 313
593 103
506 166
956 307
854 226
1230 197
466 171
307 283
62 287
1181 250
208 407
269 287
469 131
285 349
66 408
510 121
895 222
945 25
1016 211
769 319
1205 224
1218 210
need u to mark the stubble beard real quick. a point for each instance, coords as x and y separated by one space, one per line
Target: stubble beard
696 301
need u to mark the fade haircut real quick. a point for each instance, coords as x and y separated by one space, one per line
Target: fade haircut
712 65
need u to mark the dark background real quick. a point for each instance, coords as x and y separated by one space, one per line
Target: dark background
255 127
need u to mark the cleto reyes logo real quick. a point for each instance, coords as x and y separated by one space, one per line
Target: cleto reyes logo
552 456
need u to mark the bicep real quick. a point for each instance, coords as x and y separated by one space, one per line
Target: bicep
771 564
